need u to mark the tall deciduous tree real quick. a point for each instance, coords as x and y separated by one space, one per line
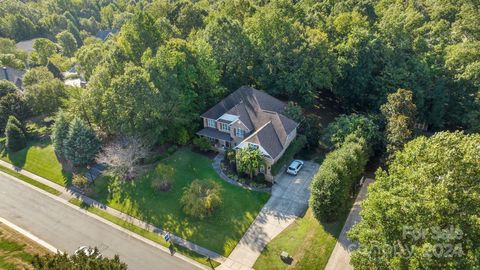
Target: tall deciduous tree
67 42
44 48
233 50
425 208
400 113
12 105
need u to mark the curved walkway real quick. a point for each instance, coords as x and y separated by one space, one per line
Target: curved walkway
216 166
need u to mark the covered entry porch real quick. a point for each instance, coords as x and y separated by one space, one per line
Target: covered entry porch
218 138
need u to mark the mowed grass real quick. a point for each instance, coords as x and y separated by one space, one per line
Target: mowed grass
38 158
17 251
220 232
307 241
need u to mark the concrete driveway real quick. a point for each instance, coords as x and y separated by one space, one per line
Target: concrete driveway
289 200
340 257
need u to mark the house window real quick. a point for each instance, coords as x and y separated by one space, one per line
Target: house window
262 168
239 132
253 146
224 127
211 123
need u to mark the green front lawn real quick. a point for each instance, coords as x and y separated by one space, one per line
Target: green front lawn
38 158
307 241
220 233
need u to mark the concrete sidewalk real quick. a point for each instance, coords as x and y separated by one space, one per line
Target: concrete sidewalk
289 200
340 257
68 194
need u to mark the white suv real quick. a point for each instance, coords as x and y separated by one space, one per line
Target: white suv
295 167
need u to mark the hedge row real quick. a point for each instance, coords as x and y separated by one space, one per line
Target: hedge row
332 184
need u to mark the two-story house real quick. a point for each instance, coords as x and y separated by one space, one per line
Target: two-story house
250 118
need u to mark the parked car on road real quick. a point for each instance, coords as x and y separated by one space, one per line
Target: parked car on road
88 251
295 167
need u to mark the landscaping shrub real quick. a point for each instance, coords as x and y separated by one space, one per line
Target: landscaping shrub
260 178
182 137
332 183
80 181
163 178
172 149
201 198
15 136
202 144
291 151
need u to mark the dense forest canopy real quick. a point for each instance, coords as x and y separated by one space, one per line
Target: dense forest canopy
173 59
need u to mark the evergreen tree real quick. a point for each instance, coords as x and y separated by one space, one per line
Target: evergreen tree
60 133
81 145
15 135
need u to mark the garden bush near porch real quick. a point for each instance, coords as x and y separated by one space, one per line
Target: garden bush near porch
219 232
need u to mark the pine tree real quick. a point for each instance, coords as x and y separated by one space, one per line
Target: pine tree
60 133
81 145
15 135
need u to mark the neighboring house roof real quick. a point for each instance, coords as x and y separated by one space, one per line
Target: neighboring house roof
261 114
105 34
13 75
26 45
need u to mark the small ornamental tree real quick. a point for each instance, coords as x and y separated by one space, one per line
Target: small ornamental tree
249 160
15 135
81 145
201 198
333 182
123 155
60 133
163 177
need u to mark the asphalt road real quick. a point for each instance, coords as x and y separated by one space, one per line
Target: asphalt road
66 228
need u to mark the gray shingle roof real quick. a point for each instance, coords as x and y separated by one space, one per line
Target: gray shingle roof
215 134
13 75
253 99
26 45
268 139
261 113
105 34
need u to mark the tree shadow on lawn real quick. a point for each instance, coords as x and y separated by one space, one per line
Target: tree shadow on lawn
219 232
19 160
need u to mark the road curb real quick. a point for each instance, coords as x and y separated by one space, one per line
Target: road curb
129 233
29 235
